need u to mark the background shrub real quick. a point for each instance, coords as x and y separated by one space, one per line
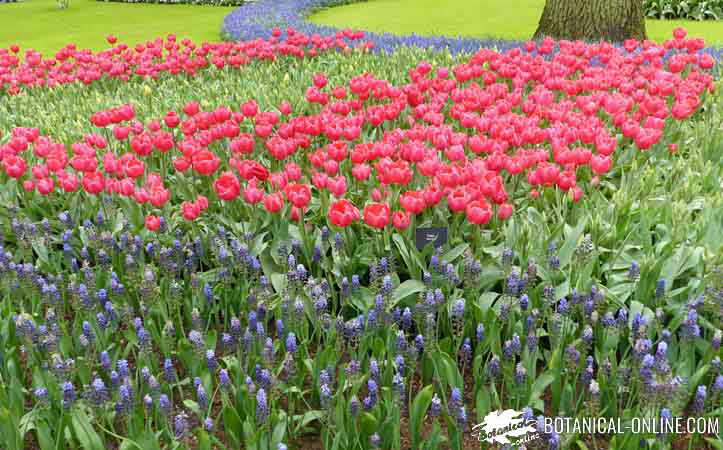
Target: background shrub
684 9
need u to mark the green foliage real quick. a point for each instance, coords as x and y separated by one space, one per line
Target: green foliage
479 19
684 9
663 211
38 24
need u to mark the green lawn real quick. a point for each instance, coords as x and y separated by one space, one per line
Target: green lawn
475 18
40 25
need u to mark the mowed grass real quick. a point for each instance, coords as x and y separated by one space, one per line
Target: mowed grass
475 18
40 25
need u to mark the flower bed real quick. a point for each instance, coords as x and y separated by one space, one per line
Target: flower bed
152 60
245 272
334 127
259 18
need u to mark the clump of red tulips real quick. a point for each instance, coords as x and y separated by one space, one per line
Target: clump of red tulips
456 138
152 59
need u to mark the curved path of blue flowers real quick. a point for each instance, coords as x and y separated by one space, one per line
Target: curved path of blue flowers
256 19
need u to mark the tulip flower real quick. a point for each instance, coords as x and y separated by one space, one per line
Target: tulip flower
504 211
190 211
478 213
152 223
401 220
377 215
252 194
298 195
413 202
343 213
274 202
227 186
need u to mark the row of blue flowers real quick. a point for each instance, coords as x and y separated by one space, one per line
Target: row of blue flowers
257 19
183 2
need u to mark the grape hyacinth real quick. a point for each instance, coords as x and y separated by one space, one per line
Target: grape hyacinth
262 407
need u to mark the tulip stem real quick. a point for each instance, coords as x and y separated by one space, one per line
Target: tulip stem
475 239
304 236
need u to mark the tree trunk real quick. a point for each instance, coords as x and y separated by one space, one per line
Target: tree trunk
610 20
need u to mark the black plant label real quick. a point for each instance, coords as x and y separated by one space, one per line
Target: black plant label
435 236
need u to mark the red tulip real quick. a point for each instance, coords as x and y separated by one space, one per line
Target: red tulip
134 168
478 213
361 172
376 215
432 195
285 108
331 167
181 164
413 202
293 171
320 80
298 195
93 182
140 196
172 120
69 182
124 186
601 164
458 200
342 213
296 213
121 132
250 108
142 144
205 162
14 166
227 186
191 108
153 223
274 202
401 220
337 186
278 180
252 194
253 170
504 211
45 185
202 202
154 180
190 210
680 33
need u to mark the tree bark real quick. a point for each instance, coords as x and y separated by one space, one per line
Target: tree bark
610 20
